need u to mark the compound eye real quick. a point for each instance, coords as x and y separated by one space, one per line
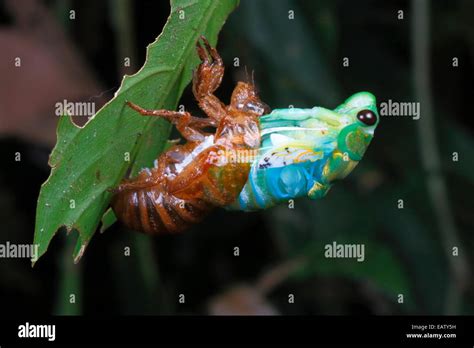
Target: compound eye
253 108
367 117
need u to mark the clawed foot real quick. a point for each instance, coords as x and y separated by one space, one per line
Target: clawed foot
208 76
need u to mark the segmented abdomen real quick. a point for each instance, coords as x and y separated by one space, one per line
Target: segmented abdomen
154 211
179 192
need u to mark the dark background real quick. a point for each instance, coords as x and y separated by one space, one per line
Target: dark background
296 62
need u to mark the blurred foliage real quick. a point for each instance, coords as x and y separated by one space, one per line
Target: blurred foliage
296 62
404 254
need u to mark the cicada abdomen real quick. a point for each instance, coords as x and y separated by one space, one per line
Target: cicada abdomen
174 195
153 210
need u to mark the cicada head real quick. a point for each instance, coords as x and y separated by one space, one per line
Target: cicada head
361 118
245 99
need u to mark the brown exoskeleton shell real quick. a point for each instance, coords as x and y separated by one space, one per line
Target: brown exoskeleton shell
191 179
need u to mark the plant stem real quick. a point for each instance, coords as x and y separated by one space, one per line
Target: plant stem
122 19
429 152
70 282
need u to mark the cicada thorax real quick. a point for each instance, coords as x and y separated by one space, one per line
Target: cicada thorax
237 140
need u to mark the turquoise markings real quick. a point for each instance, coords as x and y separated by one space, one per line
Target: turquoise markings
304 150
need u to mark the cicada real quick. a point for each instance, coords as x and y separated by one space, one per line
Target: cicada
253 158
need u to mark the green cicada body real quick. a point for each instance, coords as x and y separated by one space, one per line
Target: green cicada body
303 151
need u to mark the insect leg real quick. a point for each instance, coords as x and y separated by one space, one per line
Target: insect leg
189 126
169 115
130 185
207 78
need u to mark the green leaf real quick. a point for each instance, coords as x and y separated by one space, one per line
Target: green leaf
108 219
86 162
